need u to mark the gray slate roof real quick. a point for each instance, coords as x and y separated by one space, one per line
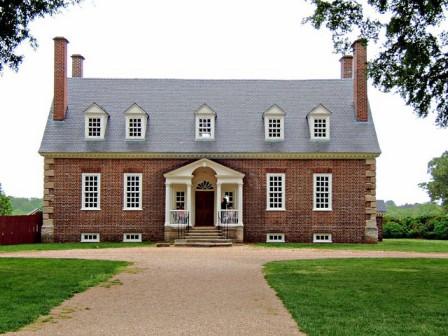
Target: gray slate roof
381 206
239 105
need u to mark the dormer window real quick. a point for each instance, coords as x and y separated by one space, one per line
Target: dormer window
136 122
319 123
274 125
95 122
205 123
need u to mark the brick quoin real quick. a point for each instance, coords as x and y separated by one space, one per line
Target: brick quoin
346 222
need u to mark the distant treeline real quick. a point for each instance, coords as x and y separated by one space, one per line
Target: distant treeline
426 220
23 206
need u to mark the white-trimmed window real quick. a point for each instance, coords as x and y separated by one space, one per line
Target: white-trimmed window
274 124
180 200
319 123
322 192
275 238
132 191
320 129
132 237
136 122
95 120
229 197
205 123
135 128
275 193
91 191
90 237
322 238
94 127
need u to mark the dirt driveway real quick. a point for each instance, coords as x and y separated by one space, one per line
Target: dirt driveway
182 291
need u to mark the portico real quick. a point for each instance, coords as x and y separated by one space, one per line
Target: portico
195 194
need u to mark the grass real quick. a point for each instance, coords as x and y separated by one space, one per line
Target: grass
67 246
30 288
405 245
364 296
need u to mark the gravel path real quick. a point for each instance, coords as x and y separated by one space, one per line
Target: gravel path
182 291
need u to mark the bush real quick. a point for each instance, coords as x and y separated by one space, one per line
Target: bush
393 230
429 227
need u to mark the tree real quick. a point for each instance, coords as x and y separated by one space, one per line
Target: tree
15 16
413 56
437 188
5 203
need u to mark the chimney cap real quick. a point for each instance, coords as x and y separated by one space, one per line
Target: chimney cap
361 40
345 56
78 56
60 38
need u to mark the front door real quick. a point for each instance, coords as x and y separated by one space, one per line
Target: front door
204 208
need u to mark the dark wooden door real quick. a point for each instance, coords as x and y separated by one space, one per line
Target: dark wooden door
204 208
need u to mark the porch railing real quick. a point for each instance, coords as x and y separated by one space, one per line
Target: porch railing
227 218
180 218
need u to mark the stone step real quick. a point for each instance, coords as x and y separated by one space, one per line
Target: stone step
203 233
197 240
181 243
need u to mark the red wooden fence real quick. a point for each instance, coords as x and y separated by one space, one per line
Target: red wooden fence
20 229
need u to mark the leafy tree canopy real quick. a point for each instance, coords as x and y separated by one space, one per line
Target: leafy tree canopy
5 203
15 16
437 188
413 40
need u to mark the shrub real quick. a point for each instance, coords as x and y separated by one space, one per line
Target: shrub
393 230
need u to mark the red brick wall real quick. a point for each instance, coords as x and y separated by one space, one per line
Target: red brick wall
346 222
360 79
60 78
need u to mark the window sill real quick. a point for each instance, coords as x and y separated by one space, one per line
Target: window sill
322 210
90 209
276 209
274 139
94 139
205 139
132 209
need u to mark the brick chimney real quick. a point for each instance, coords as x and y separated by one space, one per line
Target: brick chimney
360 79
346 66
60 78
77 65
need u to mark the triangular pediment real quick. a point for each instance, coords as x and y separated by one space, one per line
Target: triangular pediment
135 109
95 109
273 111
319 110
204 109
188 170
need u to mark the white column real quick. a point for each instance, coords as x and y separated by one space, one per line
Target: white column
218 201
167 203
240 204
189 203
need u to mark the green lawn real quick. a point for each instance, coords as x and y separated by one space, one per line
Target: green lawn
32 287
407 245
67 246
364 296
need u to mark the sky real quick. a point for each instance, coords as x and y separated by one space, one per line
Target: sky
203 39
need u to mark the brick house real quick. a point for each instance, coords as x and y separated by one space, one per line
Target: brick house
272 160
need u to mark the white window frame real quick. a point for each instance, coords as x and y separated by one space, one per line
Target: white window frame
102 127
267 128
127 239
327 127
330 192
86 239
212 127
125 191
83 191
322 238
270 238
142 125
268 205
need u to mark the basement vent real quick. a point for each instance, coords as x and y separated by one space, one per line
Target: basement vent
322 238
132 237
90 237
275 238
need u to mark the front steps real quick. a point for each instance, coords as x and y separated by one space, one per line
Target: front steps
203 236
